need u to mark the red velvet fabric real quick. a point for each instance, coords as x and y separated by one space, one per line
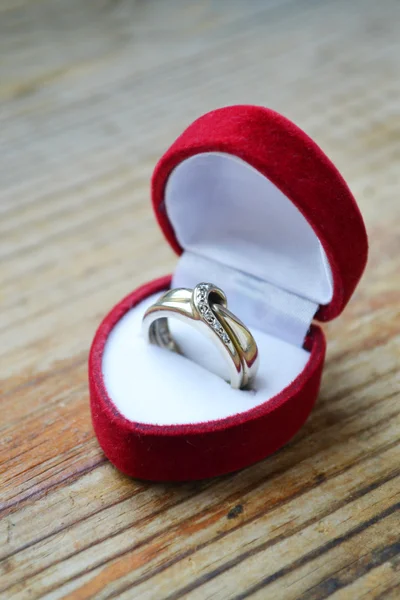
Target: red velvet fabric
196 451
297 166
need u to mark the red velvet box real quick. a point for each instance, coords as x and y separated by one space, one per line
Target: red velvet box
249 202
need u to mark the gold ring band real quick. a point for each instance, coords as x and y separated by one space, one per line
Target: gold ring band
205 307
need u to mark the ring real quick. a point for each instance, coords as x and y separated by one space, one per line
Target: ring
205 308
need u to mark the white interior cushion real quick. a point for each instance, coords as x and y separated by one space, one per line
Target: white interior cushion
151 385
223 209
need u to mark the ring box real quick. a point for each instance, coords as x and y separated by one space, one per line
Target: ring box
251 204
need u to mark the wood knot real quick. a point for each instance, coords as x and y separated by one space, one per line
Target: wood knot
235 511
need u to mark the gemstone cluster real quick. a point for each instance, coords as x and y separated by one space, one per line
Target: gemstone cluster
207 314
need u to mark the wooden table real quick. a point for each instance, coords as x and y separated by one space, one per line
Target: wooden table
91 94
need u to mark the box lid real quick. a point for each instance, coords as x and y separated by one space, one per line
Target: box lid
247 186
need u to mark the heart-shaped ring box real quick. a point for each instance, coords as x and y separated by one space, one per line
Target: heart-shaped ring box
250 203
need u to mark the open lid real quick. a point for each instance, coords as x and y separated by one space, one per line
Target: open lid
247 188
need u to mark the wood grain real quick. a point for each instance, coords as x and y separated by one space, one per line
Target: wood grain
91 94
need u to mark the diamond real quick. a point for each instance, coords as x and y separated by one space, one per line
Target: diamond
225 338
202 307
209 316
217 326
201 292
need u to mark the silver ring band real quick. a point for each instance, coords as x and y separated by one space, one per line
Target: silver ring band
205 307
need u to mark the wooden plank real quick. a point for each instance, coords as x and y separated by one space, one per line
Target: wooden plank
91 94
